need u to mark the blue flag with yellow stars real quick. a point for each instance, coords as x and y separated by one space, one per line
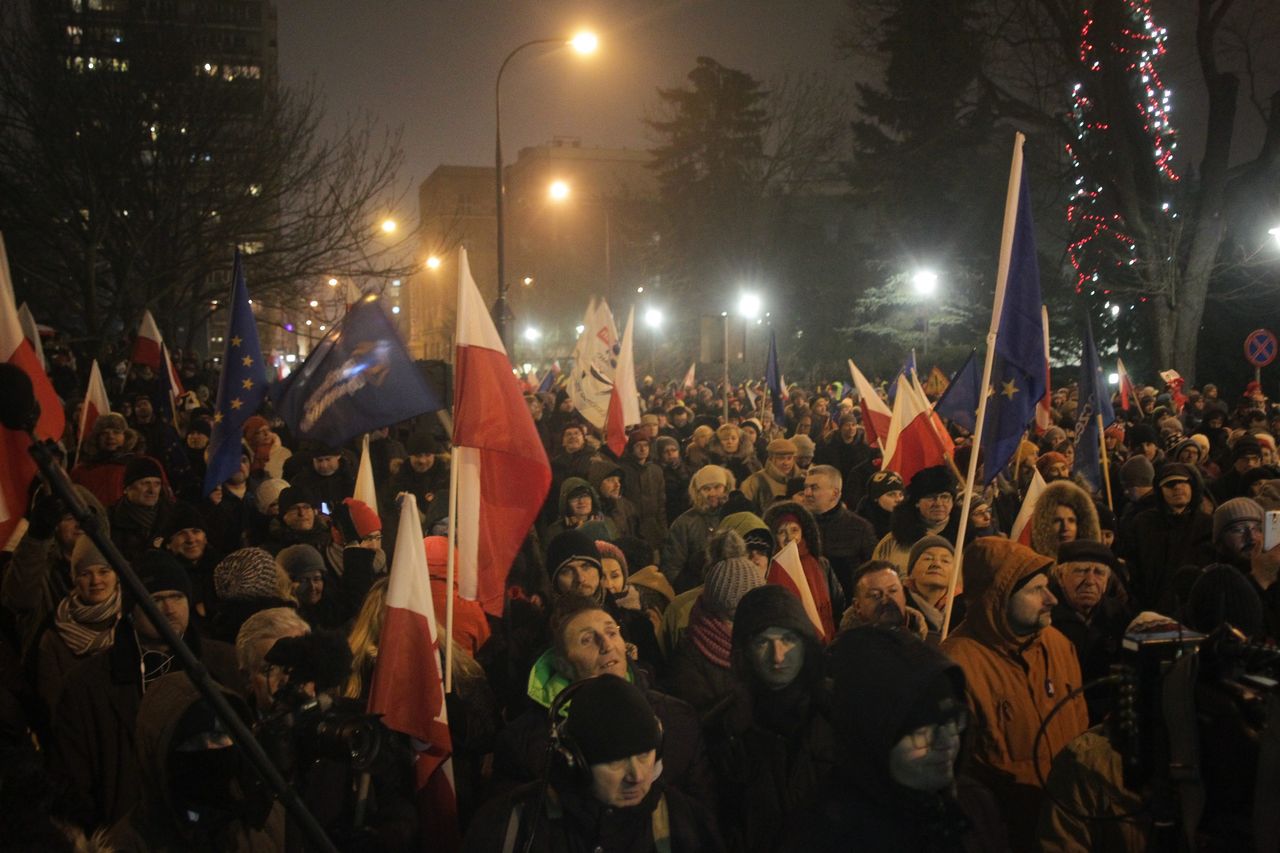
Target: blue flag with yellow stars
1018 370
241 388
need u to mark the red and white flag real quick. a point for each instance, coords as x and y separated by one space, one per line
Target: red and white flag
1126 386
1044 408
501 467
365 490
875 414
31 330
624 401
18 468
407 687
1021 531
916 438
147 343
785 571
689 379
595 360
95 403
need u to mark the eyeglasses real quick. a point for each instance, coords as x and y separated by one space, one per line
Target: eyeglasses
954 725
940 497
1240 528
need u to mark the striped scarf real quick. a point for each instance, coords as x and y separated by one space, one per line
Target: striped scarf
87 628
710 635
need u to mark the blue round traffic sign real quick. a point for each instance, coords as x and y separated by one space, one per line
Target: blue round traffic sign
1260 347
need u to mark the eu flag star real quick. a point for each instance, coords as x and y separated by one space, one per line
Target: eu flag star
247 384
235 341
247 361
235 403
1010 389
217 417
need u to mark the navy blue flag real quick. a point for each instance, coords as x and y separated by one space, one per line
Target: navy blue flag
1018 369
359 378
241 388
1095 400
773 378
548 382
959 403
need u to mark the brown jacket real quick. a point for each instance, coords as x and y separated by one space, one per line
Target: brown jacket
1012 682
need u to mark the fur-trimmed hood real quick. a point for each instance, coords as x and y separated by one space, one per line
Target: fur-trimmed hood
808 524
1043 537
90 451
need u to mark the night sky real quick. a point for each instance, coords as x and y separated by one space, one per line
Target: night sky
430 65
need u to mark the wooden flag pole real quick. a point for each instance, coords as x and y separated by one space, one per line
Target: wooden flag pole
449 570
1106 463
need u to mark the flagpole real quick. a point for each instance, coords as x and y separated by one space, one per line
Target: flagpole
1106 464
450 568
1002 275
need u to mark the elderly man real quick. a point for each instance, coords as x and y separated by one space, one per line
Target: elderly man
140 517
764 487
847 451
928 508
256 637
847 538
327 476
1093 621
1018 668
684 551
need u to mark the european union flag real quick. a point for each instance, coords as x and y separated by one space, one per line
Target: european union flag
959 403
1018 369
357 379
1094 401
773 378
241 388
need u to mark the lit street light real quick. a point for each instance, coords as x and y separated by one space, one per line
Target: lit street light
584 43
749 305
925 282
653 318
1275 232
532 334
558 190
388 226
433 263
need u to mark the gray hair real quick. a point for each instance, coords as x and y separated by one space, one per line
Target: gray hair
832 474
269 624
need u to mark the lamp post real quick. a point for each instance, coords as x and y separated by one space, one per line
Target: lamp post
653 319
925 284
583 43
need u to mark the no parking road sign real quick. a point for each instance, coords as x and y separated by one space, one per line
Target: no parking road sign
1260 347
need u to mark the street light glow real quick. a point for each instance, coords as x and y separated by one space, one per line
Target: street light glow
314 303
395 309
528 280
925 282
389 226
653 318
749 305
1275 232
579 328
532 333
585 42
433 263
558 190
333 282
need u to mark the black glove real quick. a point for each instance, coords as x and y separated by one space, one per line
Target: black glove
45 514
341 517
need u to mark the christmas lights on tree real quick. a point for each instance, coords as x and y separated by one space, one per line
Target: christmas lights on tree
1102 249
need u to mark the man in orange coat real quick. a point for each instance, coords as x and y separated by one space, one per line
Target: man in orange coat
1017 668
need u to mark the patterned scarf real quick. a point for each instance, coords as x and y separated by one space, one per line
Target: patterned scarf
710 635
87 628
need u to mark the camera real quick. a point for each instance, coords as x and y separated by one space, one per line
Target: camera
306 729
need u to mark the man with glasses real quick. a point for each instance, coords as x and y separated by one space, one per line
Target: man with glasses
928 508
1018 668
1238 537
847 538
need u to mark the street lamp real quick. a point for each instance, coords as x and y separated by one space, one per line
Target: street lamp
388 226
532 334
433 263
584 43
749 305
1275 232
925 282
558 191
653 319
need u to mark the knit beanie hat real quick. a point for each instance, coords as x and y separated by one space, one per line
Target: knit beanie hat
571 545
85 554
1137 472
184 517
1048 460
1223 594
613 552
1140 434
883 482
709 474
421 442
930 481
247 573
770 606
111 420
924 544
730 574
253 423
805 448
1236 509
1246 445
366 521
751 527
298 560
201 426
141 467
160 571
294 495
662 442
610 719
1202 441
269 492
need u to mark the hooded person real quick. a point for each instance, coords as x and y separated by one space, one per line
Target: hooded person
644 484
579 503
607 787
883 493
606 478
470 626
928 507
684 551
1017 669
1063 513
198 792
699 670
791 522
269 453
773 748
107 449
1175 532
899 717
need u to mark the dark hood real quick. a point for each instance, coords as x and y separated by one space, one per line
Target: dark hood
808 524
772 606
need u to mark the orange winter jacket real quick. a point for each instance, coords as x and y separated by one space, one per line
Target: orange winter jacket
1012 682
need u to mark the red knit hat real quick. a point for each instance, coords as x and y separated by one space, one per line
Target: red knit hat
366 521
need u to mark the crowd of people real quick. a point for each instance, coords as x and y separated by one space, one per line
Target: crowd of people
668 672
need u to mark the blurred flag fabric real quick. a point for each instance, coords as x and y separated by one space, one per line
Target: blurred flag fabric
916 439
1018 370
365 490
786 570
359 378
149 349
690 380
595 361
773 378
624 399
1094 400
1127 391
408 688
241 388
959 403
31 331
1021 531
875 414
95 405
1044 409
18 467
501 467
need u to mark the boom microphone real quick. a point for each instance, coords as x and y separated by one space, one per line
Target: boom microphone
19 409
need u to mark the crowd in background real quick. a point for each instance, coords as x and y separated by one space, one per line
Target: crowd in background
662 677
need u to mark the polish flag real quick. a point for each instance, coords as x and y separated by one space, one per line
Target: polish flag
31 331
689 380
95 403
1021 525
18 468
365 491
875 414
785 570
1044 408
624 401
407 687
147 343
501 467
916 440
1126 386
